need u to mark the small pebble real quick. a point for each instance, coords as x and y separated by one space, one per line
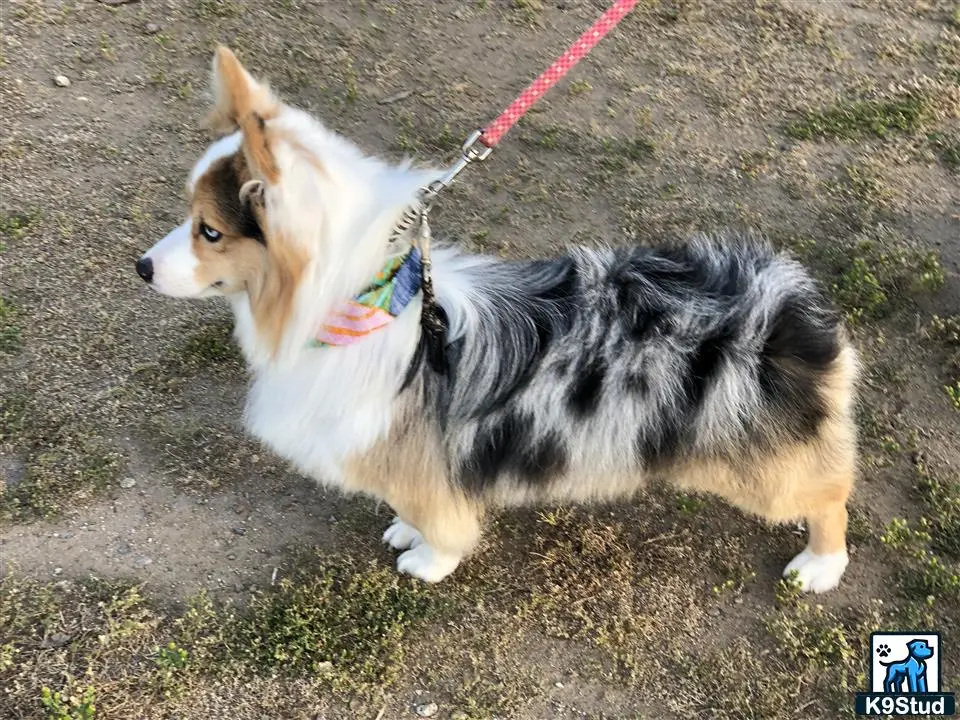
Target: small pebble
151 28
127 483
57 570
62 81
558 685
324 667
426 710
239 531
231 556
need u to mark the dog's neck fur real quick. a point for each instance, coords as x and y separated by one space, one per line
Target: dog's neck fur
343 214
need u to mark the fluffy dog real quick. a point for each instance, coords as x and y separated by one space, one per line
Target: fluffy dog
717 366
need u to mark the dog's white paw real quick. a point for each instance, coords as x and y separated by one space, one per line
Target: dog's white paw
401 536
426 563
818 573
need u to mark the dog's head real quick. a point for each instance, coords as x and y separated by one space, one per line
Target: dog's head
223 247
920 649
276 204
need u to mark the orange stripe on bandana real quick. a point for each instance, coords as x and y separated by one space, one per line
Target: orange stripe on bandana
393 288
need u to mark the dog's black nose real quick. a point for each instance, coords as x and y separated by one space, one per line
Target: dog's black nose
145 268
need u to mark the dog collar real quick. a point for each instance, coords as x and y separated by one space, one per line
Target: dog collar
392 289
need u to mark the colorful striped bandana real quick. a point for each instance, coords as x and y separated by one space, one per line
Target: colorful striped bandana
390 292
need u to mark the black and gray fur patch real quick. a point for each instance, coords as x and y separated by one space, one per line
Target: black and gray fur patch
717 348
507 446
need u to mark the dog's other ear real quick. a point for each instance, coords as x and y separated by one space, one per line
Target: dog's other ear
252 192
237 94
251 195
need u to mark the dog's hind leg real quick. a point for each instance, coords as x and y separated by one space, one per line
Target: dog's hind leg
822 563
810 481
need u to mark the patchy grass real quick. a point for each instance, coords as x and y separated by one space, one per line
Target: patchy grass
344 620
587 583
217 9
923 574
529 10
75 649
210 346
208 349
946 331
876 271
853 120
942 503
815 665
947 148
64 461
930 548
15 225
9 330
953 392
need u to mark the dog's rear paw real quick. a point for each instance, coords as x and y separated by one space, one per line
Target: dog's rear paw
401 536
426 563
818 573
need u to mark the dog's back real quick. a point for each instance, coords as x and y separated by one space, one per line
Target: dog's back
620 363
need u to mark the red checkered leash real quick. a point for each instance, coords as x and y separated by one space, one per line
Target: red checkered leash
482 142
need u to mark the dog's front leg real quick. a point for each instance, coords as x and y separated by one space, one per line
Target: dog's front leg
435 532
437 524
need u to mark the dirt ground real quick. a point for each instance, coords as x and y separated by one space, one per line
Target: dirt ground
159 564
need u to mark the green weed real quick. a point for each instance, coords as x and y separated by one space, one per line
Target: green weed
878 270
953 392
848 121
211 345
9 330
72 707
947 148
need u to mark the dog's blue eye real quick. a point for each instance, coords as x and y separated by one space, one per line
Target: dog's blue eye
209 233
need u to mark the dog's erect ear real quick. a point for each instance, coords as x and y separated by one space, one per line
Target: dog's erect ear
244 103
237 95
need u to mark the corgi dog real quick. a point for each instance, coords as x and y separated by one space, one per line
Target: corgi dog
717 366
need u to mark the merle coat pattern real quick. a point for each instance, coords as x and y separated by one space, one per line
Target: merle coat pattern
716 365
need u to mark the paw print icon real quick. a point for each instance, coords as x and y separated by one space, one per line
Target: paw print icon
883 650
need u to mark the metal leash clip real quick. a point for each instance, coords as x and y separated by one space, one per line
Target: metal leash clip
431 320
472 149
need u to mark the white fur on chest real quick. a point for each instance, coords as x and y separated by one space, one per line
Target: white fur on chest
326 404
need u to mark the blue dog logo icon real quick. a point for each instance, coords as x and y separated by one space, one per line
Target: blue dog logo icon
905 677
911 671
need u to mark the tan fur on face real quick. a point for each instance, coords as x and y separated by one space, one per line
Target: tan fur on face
268 269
